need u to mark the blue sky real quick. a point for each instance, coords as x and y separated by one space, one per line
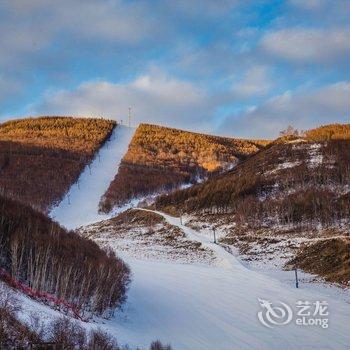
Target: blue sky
230 67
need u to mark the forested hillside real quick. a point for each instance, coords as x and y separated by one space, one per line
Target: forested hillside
40 158
161 158
43 260
277 203
299 183
329 132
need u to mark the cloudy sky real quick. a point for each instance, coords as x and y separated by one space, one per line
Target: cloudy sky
244 68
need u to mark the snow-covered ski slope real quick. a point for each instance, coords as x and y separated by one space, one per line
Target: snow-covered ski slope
196 307
80 205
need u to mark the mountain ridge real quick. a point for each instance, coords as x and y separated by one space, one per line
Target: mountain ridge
161 159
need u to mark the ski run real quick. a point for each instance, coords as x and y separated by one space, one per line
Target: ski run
80 205
195 306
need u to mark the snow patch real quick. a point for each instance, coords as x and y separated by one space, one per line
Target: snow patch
315 157
282 166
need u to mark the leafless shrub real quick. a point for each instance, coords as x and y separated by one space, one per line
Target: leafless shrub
67 333
13 333
100 340
157 345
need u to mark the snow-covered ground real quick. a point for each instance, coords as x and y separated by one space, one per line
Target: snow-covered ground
80 205
199 307
143 235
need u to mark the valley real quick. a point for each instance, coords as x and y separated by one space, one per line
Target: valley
273 206
175 175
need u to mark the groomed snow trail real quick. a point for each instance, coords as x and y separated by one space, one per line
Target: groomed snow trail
80 205
196 307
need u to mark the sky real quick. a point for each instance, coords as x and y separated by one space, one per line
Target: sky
231 67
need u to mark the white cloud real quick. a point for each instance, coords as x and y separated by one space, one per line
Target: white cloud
27 28
309 45
255 82
154 98
107 20
303 110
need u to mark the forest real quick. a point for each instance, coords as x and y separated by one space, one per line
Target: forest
40 158
43 260
300 184
160 159
329 132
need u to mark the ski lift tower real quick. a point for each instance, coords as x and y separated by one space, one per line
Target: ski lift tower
129 116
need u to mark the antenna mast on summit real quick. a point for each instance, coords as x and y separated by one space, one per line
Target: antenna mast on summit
129 117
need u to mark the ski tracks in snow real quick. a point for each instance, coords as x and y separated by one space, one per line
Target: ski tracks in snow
224 258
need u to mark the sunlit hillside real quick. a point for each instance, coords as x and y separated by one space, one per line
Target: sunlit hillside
160 159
